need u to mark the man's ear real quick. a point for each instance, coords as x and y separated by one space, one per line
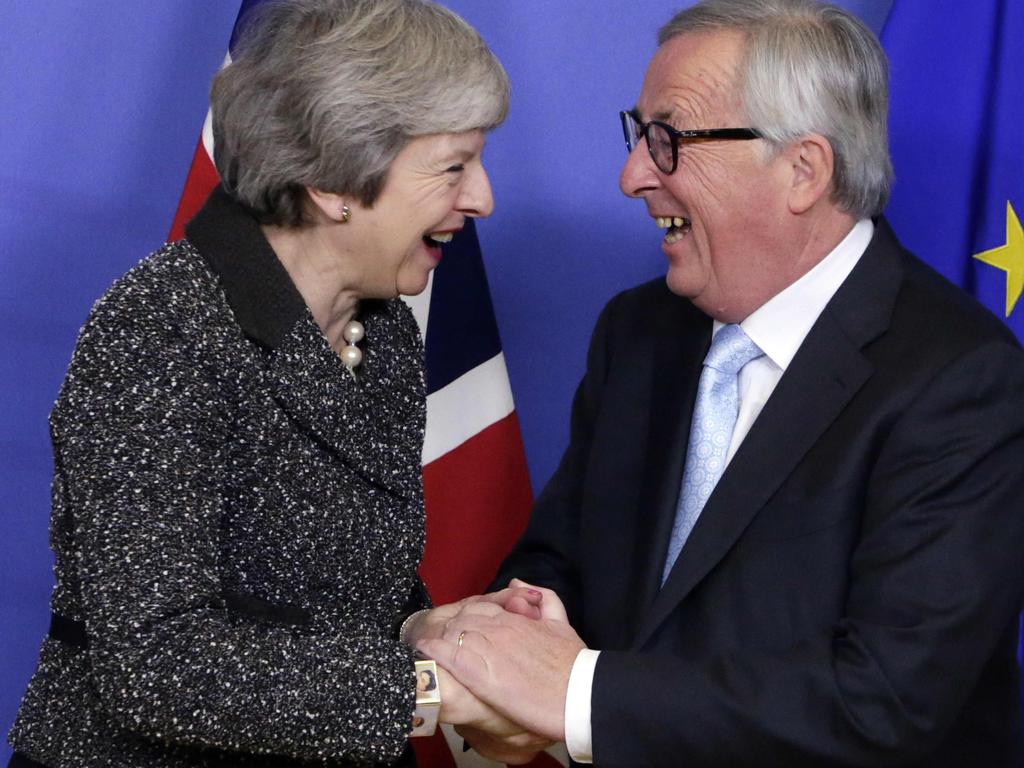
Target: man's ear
813 165
330 204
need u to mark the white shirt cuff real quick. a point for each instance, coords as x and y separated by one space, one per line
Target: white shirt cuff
578 735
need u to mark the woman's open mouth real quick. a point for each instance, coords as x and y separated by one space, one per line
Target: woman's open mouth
438 238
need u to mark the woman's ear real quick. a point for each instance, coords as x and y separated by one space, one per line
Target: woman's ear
813 166
330 204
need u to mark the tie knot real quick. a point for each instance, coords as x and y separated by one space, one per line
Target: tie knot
731 349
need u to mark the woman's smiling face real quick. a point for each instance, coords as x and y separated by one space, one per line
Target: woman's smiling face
434 183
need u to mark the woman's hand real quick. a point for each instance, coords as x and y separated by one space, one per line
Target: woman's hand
430 624
549 604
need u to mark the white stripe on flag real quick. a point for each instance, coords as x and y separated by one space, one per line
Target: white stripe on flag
468 405
208 122
208 134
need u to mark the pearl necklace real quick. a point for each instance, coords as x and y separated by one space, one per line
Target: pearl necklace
351 355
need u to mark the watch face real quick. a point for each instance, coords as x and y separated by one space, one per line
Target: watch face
428 699
427 690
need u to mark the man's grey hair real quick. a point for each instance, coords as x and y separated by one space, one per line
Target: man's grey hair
809 67
325 94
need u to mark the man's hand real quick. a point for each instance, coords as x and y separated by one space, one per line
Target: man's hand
517 665
488 732
493 736
460 707
515 749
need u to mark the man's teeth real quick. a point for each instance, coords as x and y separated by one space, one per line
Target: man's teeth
441 237
677 227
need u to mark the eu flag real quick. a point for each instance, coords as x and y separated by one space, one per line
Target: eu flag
957 142
957 133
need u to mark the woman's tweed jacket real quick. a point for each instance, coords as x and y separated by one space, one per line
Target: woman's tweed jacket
236 520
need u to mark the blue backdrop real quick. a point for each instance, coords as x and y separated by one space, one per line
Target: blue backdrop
102 104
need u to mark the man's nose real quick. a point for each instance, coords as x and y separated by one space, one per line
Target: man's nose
639 176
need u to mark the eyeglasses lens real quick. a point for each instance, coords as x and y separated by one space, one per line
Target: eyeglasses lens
659 141
631 129
660 144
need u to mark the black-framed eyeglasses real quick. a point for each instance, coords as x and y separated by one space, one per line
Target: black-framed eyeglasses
663 140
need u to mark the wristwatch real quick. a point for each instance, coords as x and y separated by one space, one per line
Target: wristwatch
428 699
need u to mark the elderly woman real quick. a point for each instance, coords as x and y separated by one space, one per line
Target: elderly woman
237 500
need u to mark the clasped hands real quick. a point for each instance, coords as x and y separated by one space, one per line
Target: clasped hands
504 660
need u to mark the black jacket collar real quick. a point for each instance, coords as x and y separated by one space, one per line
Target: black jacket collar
262 296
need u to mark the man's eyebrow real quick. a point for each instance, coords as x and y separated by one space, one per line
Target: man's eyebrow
664 115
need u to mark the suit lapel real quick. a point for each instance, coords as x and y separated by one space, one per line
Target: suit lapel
677 365
825 374
629 499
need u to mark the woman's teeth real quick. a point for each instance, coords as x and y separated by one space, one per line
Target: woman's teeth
441 237
677 227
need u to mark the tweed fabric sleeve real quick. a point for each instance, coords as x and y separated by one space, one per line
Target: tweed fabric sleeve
147 437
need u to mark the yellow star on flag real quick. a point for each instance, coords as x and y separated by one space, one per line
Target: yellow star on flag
1009 258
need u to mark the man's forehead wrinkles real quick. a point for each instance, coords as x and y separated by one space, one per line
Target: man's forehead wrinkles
690 86
682 108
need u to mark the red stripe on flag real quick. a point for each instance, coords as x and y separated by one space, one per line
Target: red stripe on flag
478 501
433 752
202 178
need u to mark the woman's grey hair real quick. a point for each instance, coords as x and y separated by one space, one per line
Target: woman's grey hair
810 67
325 94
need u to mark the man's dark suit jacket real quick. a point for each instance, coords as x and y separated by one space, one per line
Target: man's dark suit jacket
850 593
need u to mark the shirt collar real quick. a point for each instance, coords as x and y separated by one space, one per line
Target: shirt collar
780 325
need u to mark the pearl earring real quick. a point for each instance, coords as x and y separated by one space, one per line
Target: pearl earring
351 355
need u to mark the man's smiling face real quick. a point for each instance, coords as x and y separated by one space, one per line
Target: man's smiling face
726 200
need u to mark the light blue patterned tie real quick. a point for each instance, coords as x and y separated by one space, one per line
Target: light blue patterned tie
714 417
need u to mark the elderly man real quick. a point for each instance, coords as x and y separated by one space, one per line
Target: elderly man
788 522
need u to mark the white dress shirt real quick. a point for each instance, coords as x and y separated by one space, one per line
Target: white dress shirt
778 327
